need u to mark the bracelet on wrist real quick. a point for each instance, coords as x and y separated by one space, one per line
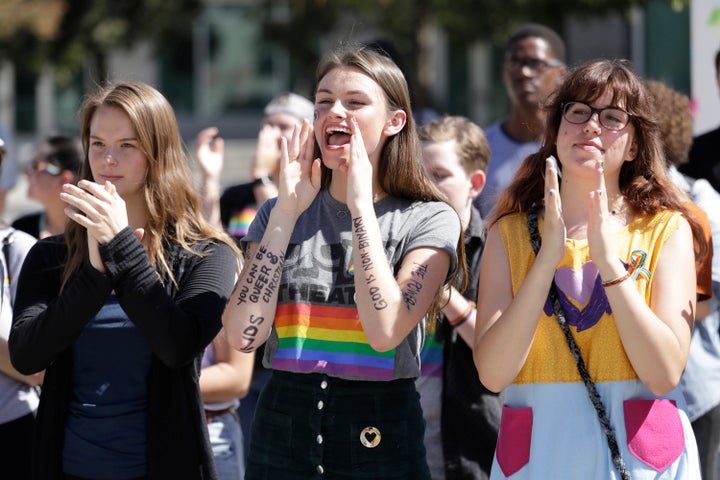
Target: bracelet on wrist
463 317
619 279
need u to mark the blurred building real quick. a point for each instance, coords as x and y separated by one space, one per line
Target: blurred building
223 72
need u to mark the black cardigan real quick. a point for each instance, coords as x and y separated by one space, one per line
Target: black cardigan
177 321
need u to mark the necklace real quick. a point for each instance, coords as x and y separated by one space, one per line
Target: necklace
618 211
619 208
342 212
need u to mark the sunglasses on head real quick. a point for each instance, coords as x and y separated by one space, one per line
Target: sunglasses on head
49 168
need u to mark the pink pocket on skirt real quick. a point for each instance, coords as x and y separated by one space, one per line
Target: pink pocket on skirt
513 446
654 431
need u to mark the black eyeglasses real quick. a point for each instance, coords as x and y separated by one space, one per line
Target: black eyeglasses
612 118
535 65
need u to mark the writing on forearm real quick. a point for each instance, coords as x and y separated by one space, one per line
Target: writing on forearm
367 264
250 333
415 285
376 296
262 280
363 244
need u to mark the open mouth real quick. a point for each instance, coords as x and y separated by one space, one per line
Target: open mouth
337 136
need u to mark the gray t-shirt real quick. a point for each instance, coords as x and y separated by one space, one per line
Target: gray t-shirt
316 327
8 169
17 399
506 156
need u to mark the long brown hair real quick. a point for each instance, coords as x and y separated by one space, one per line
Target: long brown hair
643 182
170 197
400 169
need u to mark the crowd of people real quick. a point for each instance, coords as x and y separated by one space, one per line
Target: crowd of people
386 298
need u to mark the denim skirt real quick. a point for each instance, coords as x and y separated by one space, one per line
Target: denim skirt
312 426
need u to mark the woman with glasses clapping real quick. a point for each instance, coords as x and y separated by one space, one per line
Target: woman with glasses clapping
57 162
586 296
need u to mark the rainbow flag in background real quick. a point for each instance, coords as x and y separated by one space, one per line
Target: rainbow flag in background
431 357
239 222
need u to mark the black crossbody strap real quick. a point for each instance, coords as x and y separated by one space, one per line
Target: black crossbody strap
6 251
575 350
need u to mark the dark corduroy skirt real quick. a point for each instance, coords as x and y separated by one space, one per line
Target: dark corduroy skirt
312 426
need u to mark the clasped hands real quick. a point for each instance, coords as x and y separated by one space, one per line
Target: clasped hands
101 210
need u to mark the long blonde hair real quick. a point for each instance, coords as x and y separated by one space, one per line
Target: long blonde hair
173 206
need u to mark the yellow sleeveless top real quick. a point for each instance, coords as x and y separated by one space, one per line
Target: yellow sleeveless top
584 301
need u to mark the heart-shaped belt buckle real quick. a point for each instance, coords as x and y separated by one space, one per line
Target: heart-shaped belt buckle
370 437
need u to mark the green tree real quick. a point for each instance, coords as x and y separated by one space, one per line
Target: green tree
25 24
300 25
80 31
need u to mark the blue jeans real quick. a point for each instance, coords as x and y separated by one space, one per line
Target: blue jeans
226 440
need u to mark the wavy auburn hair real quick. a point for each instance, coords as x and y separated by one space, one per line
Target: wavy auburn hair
171 199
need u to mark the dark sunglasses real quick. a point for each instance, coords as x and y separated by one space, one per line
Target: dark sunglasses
42 166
